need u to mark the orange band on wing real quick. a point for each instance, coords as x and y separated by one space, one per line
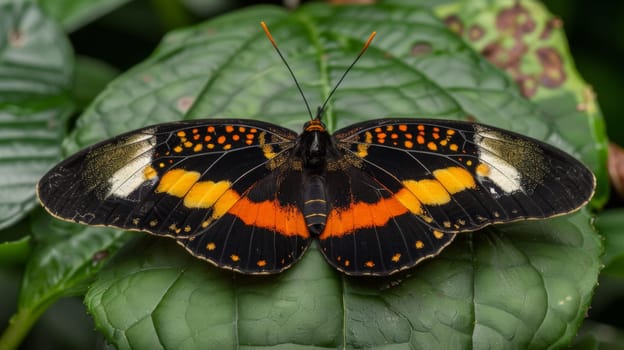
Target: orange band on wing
271 215
342 221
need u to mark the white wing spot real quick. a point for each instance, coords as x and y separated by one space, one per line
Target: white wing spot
130 176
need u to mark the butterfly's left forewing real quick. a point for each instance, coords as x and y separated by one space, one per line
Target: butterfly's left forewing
170 179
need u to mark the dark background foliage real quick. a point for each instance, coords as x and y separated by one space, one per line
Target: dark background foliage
130 33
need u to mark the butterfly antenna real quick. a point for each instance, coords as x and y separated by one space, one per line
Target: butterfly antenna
292 74
321 109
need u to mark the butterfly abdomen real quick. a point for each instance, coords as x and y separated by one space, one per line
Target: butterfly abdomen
315 207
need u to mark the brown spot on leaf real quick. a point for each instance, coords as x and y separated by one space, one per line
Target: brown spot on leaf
505 57
185 103
528 85
420 49
553 74
615 164
454 23
16 38
475 32
515 20
99 256
552 24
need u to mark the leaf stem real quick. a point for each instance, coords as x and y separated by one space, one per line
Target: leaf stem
19 326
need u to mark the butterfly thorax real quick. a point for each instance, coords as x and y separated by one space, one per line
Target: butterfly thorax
314 147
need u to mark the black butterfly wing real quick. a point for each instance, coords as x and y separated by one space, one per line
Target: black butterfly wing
263 232
446 177
369 231
460 176
169 179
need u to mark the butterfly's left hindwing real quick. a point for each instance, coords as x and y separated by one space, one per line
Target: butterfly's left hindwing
170 179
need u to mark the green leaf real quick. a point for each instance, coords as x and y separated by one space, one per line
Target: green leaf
526 285
610 224
91 78
73 14
14 251
529 43
35 67
64 257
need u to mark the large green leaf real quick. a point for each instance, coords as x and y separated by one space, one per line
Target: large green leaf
35 69
514 286
610 224
525 285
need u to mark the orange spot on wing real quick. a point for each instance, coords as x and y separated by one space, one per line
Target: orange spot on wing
270 215
149 172
483 169
344 221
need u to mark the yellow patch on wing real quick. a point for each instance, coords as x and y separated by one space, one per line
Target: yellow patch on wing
204 194
409 201
177 182
438 191
428 192
455 179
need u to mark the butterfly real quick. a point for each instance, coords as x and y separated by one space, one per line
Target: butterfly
380 196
